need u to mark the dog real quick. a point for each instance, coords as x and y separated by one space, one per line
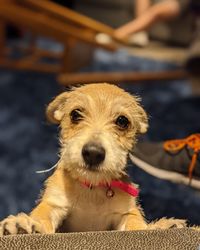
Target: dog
90 189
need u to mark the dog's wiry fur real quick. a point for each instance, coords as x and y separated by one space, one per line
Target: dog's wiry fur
66 204
100 107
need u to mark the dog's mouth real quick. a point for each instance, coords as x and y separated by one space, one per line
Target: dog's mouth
93 168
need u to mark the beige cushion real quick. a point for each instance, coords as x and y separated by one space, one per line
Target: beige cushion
173 239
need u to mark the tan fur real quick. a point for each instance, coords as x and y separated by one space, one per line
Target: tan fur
67 205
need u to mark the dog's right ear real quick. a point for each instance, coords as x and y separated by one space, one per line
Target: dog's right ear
143 120
55 109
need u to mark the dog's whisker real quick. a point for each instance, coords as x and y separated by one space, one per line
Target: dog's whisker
51 168
47 170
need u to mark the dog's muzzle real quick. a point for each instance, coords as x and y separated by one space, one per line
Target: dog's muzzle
93 154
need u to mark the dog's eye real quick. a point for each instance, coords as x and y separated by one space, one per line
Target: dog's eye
122 122
76 116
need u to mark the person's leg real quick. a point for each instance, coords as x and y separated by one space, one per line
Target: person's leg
162 11
141 6
140 38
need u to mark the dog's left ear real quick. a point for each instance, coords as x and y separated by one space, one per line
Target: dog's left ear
143 120
55 109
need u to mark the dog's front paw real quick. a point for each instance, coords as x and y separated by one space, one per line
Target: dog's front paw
164 223
20 224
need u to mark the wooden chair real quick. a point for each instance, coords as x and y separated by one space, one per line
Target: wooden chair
45 18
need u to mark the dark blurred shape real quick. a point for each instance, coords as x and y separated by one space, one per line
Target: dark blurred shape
192 63
195 6
67 3
13 32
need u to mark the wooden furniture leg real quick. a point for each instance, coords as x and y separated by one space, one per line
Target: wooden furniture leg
67 60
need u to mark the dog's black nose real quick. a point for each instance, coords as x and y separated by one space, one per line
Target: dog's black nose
93 154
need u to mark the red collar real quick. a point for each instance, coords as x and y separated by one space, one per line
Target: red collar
126 187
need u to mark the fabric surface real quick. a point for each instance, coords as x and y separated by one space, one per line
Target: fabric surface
173 239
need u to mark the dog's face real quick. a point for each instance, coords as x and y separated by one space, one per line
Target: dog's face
99 123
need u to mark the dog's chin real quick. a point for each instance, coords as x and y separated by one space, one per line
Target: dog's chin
94 176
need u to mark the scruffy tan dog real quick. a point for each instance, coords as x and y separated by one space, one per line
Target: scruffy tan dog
90 189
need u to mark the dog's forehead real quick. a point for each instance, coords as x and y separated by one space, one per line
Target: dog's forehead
104 92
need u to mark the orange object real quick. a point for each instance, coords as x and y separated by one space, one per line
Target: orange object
193 142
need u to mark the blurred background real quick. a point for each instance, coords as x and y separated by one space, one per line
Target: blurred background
47 46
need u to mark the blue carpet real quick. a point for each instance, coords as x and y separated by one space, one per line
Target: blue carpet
28 143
